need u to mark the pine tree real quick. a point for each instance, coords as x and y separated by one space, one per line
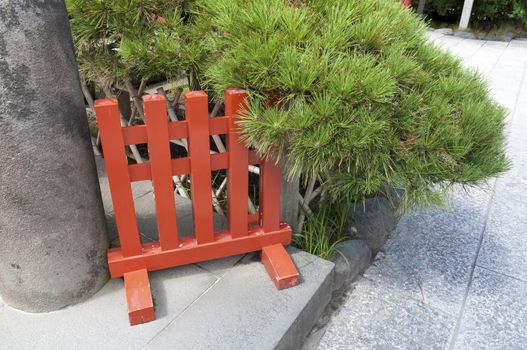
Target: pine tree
129 39
351 92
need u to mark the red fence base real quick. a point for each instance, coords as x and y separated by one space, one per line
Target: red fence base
246 233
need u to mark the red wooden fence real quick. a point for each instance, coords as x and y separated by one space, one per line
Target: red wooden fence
133 259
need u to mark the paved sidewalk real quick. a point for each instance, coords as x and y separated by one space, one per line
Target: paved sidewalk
455 279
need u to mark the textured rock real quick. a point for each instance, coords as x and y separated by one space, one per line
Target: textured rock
52 222
353 257
288 200
465 35
373 220
445 31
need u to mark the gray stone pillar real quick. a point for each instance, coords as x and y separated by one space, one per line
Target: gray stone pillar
288 200
52 224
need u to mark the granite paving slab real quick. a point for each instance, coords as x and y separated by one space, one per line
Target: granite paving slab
382 318
430 255
495 317
504 247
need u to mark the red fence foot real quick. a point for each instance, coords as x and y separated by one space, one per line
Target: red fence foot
280 267
139 297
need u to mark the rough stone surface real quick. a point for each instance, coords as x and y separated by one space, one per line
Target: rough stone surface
102 321
495 316
431 253
352 258
504 247
373 220
289 207
52 217
465 35
445 31
378 318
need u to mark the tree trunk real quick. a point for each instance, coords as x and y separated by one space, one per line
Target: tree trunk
52 223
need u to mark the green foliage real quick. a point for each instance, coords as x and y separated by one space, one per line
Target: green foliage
128 38
323 231
350 91
519 12
485 13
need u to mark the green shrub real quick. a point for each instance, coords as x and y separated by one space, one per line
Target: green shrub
350 91
485 13
132 39
324 230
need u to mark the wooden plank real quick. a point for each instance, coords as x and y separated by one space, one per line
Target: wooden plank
237 173
139 297
270 186
178 130
279 266
108 118
197 115
180 166
137 134
161 169
190 251
134 135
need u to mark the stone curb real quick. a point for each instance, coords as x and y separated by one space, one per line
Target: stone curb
353 258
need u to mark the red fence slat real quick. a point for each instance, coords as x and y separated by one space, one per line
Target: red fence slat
161 169
237 175
270 185
108 118
197 115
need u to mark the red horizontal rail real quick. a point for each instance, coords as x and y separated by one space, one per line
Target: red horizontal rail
134 135
181 166
189 252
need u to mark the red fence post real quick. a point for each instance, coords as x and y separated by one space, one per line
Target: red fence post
108 118
197 114
237 175
161 168
270 186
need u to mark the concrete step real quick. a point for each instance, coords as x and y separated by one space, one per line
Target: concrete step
224 304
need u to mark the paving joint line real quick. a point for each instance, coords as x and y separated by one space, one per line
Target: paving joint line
502 274
455 332
522 85
407 295
182 312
